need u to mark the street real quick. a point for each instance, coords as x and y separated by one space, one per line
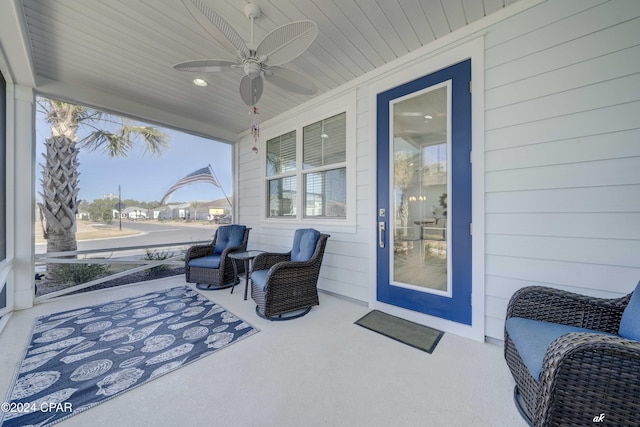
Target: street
153 233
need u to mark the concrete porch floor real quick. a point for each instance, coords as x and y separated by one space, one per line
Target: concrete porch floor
319 370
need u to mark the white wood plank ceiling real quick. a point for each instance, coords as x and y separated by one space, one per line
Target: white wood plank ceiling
127 48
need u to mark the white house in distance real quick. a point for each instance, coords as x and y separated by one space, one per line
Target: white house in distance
449 172
135 213
199 211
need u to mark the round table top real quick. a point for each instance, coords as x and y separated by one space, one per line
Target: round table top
245 254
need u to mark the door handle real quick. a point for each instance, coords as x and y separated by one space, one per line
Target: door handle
381 228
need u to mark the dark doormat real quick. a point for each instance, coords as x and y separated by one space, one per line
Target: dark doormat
419 336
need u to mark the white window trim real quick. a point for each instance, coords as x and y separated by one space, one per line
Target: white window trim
343 104
7 265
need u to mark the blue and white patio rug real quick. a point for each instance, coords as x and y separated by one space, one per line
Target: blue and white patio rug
78 359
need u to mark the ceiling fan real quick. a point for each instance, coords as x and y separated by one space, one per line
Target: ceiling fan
256 61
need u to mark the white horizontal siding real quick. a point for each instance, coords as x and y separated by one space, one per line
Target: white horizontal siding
611 119
585 174
612 225
570 77
605 199
624 253
524 57
562 154
610 92
590 276
536 18
612 145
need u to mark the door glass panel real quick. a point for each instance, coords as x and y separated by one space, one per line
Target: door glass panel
421 186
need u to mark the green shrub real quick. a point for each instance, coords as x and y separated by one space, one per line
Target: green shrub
75 274
157 256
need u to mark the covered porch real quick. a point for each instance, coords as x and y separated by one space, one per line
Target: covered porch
552 186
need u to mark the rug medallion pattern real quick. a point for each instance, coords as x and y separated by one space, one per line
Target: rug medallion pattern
79 358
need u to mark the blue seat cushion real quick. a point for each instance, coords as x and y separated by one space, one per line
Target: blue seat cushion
259 278
229 236
211 261
630 322
533 337
304 244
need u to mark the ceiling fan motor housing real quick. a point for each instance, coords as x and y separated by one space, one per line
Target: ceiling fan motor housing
252 11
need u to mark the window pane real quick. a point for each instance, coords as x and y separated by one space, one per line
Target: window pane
281 154
282 196
325 142
326 193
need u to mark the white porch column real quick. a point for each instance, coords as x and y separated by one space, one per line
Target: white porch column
23 202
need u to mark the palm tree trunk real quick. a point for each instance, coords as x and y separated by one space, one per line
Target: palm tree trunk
60 195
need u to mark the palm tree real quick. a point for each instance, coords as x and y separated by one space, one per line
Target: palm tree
60 173
195 206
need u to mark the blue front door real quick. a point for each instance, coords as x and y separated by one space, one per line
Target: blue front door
424 194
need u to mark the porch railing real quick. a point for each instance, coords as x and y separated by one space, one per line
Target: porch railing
63 258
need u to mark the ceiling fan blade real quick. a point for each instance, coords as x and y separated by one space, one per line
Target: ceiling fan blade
205 66
290 80
217 27
251 90
287 42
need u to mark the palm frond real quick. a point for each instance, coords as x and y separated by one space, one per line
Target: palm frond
109 143
154 139
118 144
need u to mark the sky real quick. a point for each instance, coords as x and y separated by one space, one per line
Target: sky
146 178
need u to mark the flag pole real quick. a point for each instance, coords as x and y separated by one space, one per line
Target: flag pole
225 194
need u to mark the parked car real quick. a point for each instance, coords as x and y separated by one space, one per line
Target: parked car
220 219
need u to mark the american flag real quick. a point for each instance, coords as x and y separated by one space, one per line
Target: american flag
201 175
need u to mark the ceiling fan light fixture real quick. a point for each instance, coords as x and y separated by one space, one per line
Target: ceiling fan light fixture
200 82
252 69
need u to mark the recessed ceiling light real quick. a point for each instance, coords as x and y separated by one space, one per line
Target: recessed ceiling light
200 82
324 135
428 117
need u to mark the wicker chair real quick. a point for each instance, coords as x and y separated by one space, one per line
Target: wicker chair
209 266
283 283
575 359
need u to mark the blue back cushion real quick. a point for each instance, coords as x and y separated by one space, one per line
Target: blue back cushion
228 236
630 322
304 244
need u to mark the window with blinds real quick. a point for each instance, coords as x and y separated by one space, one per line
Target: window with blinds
281 160
324 146
321 176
